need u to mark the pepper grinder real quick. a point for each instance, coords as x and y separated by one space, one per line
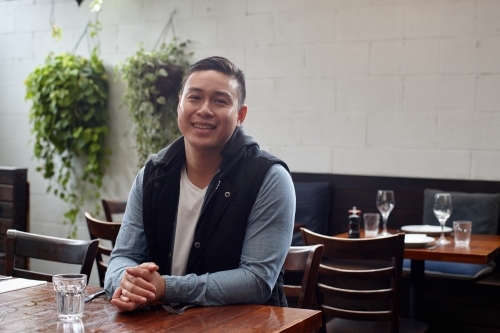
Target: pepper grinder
354 222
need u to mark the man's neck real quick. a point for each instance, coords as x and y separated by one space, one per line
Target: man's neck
201 168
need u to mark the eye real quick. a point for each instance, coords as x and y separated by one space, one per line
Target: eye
193 97
220 101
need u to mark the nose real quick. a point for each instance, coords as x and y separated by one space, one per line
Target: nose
204 110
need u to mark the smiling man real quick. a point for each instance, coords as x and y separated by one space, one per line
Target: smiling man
209 219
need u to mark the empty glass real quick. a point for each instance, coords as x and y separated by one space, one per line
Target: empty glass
442 210
70 295
385 204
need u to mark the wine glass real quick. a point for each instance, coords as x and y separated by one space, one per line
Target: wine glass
442 210
385 204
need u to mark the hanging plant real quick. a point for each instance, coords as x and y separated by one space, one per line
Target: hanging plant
153 81
69 122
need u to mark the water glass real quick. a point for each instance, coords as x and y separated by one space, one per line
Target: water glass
462 231
70 295
371 223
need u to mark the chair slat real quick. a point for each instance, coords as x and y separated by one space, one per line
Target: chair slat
70 251
359 280
113 207
304 260
106 231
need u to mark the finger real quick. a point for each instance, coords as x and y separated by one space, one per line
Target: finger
123 306
117 293
150 266
137 295
139 277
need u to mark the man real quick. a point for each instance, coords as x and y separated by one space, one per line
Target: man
209 219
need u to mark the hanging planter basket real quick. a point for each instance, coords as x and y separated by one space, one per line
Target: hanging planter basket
153 81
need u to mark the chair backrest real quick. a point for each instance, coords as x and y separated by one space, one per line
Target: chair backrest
301 270
105 231
69 251
359 279
113 207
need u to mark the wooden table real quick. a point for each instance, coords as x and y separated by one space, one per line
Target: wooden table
33 309
482 250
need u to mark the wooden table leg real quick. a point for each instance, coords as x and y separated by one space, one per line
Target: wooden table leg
417 289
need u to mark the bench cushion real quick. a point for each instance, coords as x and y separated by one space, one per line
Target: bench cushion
453 269
313 200
480 208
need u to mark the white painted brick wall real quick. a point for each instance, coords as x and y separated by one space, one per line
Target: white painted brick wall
337 59
450 164
487 17
485 165
372 87
439 93
275 61
242 30
404 130
260 95
334 129
370 23
469 131
488 96
305 159
260 6
218 8
471 55
360 161
369 93
313 28
275 129
7 21
20 46
419 56
316 95
440 19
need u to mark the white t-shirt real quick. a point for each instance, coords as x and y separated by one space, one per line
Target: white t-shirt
188 212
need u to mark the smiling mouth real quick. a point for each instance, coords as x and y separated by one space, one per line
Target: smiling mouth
209 127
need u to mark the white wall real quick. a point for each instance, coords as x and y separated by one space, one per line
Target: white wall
372 87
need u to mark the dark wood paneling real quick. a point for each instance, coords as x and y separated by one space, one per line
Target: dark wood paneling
14 205
6 210
6 192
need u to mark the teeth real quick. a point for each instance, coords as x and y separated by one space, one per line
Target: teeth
204 126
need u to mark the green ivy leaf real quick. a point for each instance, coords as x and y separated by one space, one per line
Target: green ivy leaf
69 122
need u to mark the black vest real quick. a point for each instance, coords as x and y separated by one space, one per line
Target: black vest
220 230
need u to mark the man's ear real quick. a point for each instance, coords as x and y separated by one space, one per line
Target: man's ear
242 113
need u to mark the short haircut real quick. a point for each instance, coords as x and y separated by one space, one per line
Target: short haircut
222 65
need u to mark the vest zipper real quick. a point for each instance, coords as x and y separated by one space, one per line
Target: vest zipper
205 204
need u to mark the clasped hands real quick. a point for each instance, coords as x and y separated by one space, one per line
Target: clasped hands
140 286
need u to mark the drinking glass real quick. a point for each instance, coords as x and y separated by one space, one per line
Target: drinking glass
385 204
442 210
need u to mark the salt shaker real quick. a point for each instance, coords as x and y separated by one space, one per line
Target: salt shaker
354 218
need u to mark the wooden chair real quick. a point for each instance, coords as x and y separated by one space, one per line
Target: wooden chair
113 207
106 231
69 251
301 270
359 283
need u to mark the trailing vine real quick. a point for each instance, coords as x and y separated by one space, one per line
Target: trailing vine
153 80
69 123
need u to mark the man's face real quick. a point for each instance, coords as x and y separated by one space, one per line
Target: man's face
208 110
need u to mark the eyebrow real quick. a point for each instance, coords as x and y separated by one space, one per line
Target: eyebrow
217 92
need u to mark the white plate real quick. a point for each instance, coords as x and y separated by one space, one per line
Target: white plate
425 229
417 240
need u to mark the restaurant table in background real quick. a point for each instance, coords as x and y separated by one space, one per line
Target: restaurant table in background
481 250
33 310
